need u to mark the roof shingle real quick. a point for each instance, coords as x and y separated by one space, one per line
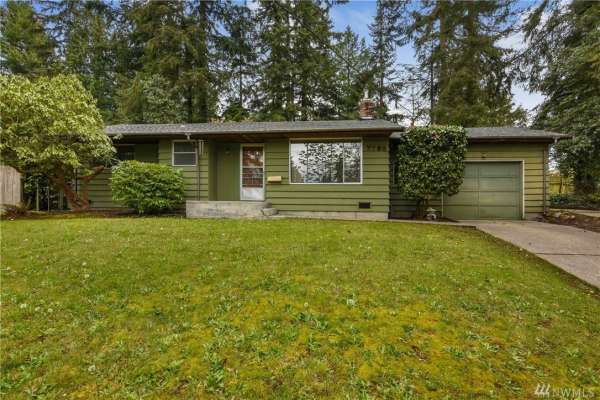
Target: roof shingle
251 127
505 133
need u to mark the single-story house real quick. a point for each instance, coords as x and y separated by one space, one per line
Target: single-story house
330 168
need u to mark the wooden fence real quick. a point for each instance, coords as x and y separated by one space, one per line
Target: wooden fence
560 185
10 186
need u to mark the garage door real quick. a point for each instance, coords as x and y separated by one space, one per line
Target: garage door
490 190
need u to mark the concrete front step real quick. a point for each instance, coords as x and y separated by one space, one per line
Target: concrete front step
227 209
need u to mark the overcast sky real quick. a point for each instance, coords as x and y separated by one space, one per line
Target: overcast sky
359 14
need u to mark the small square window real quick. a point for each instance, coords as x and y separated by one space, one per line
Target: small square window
184 153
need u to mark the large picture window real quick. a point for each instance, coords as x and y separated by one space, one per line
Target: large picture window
325 161
184 153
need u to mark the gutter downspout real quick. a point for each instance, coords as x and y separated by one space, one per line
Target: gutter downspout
545 154
545 195
198 155
199 150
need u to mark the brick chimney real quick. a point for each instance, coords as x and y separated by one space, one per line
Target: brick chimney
366 107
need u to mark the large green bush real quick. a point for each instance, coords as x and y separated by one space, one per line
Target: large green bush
429 162
147 187
52 128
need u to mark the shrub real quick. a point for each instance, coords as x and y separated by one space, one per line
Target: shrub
429 162
52 127
147 187
589 201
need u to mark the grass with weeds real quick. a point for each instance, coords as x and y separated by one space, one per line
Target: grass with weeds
167 307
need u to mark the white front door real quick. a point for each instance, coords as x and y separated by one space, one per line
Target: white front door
252 170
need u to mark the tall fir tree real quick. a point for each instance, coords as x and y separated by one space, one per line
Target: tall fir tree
433 39
386 33
25 46
458 44
201 79
83 33
352 60
174 39
562 61
150 99
238 59
297 71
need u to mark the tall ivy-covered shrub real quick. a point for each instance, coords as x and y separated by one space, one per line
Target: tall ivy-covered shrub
430 161
147 187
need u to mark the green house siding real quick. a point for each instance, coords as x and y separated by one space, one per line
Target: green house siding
330 197
99 187
195 177
217 177
535 160
99 191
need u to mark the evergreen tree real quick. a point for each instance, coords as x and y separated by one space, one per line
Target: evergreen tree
83 33
469 82
150 100
239 58
386 33
25 47
297 74
562 61
201 78
353 73
175 40
434 40
157 29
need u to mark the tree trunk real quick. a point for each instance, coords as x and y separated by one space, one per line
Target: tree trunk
76 201
203 112
73 200
422 205
431 92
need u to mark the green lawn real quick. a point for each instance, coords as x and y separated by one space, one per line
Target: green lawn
167 307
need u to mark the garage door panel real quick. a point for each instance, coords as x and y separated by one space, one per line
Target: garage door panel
462 198
510 199
500 170
470 171
498 184
497 212
461 212
469 184
490 190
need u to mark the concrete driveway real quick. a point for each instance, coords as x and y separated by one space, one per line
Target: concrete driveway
575 250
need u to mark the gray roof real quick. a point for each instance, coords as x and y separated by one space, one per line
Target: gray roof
506 133
511 132
251 127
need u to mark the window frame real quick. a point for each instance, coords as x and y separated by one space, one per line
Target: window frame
322 140
115 160
195 143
